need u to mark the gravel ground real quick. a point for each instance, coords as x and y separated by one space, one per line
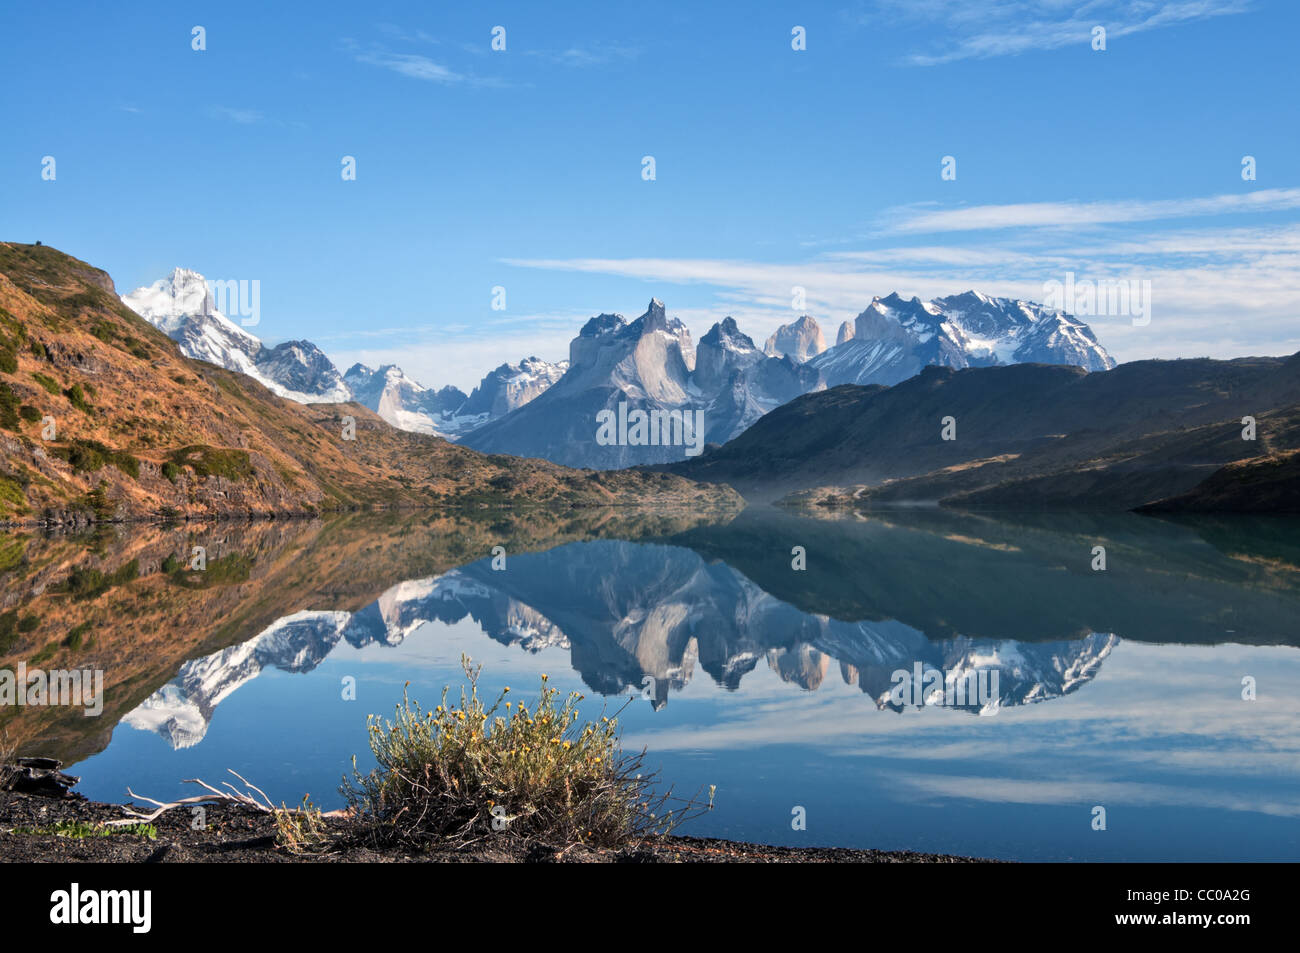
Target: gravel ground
236 834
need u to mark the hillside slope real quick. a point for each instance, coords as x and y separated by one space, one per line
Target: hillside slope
141 431
1026 434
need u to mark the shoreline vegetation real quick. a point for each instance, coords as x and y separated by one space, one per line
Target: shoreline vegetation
472 780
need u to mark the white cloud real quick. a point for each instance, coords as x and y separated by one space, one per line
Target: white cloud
1216 291
1011 27
1076 214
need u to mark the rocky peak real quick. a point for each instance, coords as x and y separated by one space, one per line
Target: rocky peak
799 340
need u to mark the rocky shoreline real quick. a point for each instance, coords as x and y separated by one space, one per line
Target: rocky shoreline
236 834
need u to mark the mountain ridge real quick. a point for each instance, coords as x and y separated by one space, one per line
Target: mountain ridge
650 366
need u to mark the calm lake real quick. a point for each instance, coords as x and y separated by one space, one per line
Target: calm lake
1120 688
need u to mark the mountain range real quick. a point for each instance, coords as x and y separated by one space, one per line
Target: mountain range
648 365
181 306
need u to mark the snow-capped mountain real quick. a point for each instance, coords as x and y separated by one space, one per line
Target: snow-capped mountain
800 340
648 366
894 338
624 611
181 306
404 403
448 412
510 386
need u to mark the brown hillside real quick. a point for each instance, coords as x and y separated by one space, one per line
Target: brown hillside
142 431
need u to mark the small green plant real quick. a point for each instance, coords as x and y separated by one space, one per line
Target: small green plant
87 456
76 636
464 772
77 398
8 407
80 830
49 383
207 461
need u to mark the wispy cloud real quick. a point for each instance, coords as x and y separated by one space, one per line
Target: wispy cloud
1221 290
417 65
459 355
246 117
1011 27
1067 214
412 65
600 55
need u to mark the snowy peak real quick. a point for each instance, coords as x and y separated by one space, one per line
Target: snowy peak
648 366
895 337
727 335
799 340
182 298
723 351
512 385
181 306
404 403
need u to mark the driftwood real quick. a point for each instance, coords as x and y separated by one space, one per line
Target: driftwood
251 797
39 776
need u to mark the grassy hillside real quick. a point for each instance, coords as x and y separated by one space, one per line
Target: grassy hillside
141 431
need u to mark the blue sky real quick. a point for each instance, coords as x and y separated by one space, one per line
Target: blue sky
774 167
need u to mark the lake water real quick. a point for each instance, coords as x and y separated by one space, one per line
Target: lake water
1120 689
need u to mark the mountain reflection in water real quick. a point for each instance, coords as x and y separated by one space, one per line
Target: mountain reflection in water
743 669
